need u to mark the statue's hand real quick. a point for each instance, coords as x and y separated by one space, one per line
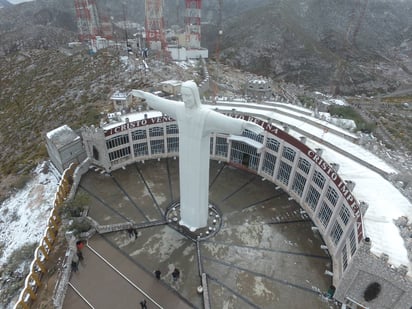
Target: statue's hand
139 94
252 127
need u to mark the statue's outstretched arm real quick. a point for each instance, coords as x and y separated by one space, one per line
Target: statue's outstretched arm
216 122
166 106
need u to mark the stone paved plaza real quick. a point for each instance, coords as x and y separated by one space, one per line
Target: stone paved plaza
265 254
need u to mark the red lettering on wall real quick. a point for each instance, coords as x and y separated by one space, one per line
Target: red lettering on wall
137 123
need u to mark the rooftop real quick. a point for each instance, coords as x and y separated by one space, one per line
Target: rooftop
122 96
62 136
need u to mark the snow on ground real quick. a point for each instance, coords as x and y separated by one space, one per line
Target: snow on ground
23 217
335 102
347 124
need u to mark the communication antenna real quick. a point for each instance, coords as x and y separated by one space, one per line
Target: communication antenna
124 23
177 12
154 25
219 38
88 21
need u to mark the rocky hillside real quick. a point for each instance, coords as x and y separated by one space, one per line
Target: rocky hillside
43 89
341 46
35 25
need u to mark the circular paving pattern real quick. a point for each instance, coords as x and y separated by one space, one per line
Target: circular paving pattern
263 253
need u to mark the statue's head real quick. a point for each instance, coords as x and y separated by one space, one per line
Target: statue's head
190 94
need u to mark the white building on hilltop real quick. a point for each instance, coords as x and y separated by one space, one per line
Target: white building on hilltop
342 187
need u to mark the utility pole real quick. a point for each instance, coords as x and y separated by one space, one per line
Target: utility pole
219 38
124 24
219 21
177 12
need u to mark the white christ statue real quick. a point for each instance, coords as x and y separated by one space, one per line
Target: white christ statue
195 123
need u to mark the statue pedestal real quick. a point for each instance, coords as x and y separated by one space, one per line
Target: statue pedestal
214 222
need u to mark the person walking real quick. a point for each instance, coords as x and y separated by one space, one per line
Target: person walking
143 304
80 255
130 232
75 263
176 274
74 266
157 273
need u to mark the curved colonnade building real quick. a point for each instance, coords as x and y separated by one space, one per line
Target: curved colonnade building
341 186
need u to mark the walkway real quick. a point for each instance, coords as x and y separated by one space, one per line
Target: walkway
108 279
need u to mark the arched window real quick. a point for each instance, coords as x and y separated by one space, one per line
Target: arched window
324 215
298 184
304 165
319 179
272 143
289 153
332 196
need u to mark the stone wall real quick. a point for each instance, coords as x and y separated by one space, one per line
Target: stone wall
371 282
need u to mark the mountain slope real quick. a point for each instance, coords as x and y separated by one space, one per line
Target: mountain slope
335 45
35 25
5 4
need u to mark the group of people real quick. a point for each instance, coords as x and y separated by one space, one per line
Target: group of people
158 273
132 233
175 274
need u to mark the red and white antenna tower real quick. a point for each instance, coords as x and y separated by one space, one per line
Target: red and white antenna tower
154 24
87 19
106 27
192 23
